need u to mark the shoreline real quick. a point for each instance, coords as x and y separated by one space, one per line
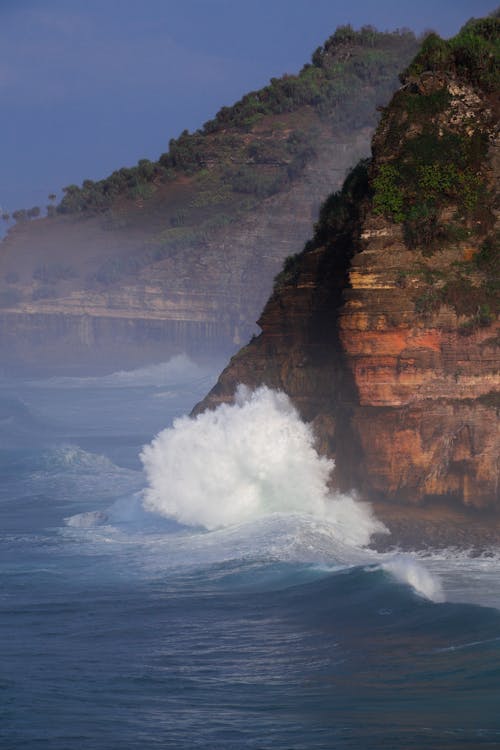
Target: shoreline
435 527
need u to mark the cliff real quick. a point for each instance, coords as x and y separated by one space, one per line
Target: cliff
179 254
384 330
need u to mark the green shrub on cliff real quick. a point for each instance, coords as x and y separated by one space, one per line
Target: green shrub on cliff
290 271
338 217
431 169
430 174
474 54
438 166
433 177
339 209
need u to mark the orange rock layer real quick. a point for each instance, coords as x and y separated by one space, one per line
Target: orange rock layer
404 399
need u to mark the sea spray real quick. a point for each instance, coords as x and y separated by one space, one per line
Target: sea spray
244 461
411 572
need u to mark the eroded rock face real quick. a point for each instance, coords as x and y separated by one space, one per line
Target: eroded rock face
427 417
386 334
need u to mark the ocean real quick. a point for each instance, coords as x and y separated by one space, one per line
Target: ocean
192 583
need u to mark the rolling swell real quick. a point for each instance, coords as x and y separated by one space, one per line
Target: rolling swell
274 629
257 654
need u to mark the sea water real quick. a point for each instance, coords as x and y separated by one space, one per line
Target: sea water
192 583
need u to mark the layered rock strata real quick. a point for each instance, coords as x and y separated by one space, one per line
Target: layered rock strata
384 331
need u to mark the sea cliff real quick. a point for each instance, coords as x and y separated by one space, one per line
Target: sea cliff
384 331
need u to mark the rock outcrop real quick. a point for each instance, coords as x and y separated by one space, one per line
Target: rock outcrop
384 331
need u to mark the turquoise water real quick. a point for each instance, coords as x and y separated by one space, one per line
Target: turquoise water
120 626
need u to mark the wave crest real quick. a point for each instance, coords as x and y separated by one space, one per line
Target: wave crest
247 460
178 369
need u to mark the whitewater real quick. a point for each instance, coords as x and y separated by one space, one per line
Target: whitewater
190 582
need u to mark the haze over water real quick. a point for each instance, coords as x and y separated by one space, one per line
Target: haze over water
220 596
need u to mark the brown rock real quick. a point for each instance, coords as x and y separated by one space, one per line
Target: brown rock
378 346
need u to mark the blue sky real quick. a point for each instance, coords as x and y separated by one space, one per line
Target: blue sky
88 86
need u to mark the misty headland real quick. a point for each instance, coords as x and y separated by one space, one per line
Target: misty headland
383 330
301 551
178 255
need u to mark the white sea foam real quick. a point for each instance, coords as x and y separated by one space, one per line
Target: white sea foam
250 475
86 520
178 369
410 571
244 461
68 473
73 458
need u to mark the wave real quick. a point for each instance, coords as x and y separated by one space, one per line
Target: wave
70 474
252 467
179 369
270 553
73 459
86 520
244 485
244 461
408 570
239 485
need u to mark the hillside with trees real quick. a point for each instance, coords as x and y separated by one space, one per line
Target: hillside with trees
180 253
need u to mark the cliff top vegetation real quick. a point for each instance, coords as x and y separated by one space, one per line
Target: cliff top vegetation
144 220
251 151
431 174
264 140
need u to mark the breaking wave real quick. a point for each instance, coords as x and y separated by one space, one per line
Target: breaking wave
178 369
406 569
241 485
245 461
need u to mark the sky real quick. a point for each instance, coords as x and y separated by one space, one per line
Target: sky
89 86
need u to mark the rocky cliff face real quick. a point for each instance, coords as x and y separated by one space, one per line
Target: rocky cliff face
384 331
